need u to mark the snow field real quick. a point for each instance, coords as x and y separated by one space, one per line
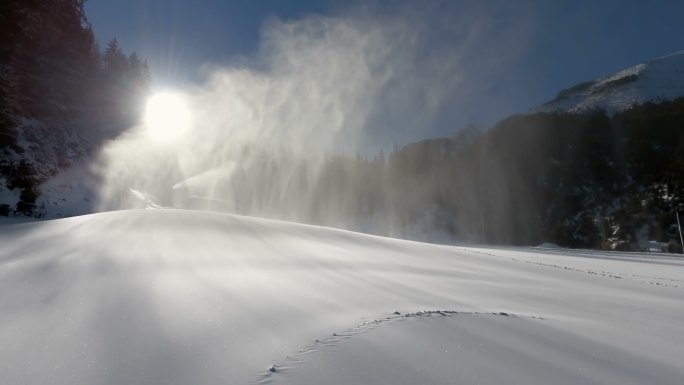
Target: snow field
178 297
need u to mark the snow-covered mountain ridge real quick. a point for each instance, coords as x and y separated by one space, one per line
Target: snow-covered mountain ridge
654 81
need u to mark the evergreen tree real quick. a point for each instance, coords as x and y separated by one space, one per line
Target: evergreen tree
115 62
57 95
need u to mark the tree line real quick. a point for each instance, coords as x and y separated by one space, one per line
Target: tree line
585 180
61 96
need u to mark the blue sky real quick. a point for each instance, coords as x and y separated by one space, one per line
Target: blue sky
178 36
519 55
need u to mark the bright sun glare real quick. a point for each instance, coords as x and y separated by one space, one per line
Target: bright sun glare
167 116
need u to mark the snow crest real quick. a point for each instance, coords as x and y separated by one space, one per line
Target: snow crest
655 81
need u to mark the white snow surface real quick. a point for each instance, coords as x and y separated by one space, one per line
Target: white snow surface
182 297
654 81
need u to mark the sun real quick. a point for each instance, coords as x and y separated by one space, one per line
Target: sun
167 116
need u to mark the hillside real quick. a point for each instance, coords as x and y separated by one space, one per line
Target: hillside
178 297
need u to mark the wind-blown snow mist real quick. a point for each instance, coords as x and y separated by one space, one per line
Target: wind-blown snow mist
319 87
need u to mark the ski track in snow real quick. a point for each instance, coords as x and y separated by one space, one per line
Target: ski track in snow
645 279
291 362
602 273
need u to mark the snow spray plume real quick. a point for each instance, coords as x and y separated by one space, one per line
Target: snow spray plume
321 86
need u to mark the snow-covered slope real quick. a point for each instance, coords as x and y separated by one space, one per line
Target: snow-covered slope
657 80
179 297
